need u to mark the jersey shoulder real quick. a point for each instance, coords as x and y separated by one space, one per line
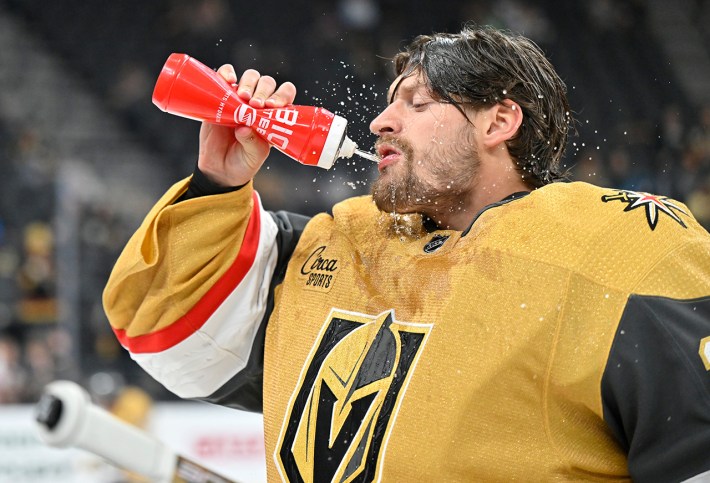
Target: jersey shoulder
611 236
638 212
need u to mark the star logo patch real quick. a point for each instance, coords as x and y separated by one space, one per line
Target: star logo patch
653 205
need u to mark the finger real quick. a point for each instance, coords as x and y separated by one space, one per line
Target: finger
264 88
285 94
247 83
227 73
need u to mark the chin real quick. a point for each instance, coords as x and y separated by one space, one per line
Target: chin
386 204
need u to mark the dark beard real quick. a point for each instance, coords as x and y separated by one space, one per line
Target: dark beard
409 193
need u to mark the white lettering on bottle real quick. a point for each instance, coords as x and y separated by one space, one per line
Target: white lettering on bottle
287 116
277 140
226 95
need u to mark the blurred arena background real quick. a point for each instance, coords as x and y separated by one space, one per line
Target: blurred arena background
84 153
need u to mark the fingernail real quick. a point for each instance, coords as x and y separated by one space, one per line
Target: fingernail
244 93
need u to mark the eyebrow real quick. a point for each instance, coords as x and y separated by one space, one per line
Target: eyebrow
407 89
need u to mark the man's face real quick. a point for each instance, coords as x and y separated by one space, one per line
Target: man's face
428 157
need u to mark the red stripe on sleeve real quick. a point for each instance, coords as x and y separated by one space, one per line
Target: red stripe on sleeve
195 318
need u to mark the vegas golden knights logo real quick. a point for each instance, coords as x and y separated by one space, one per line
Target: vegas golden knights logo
345 405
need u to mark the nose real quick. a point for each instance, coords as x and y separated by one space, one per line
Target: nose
387 122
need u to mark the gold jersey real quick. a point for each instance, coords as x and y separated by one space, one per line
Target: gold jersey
526 348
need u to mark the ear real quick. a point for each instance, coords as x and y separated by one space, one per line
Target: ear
504 119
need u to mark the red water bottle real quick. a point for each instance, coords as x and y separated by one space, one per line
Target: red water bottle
310 135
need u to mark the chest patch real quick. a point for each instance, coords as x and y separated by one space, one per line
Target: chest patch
319 270
344 408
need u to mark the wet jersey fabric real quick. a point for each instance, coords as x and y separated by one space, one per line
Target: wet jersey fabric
565 336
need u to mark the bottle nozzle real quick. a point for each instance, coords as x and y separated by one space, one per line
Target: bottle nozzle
347 148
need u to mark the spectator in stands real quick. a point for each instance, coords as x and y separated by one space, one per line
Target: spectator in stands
13 377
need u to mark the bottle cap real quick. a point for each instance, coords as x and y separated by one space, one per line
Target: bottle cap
337 144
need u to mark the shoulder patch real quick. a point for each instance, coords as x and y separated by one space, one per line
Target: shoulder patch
704 352
652 205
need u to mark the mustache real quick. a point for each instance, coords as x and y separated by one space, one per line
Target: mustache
402 145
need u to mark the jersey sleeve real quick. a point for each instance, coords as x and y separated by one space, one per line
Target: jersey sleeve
191 292
656 387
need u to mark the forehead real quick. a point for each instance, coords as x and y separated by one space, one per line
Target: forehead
405 85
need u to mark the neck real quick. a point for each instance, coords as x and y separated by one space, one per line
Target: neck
491 186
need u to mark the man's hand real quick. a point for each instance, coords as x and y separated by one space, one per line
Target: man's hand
232 156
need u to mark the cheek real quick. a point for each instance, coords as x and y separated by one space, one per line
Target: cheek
441 130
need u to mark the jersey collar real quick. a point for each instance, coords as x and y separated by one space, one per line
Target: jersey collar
514 196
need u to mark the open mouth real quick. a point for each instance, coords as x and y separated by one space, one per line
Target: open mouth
388 154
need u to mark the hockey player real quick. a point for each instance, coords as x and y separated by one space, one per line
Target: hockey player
475 319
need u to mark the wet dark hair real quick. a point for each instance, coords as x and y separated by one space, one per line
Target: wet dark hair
481 66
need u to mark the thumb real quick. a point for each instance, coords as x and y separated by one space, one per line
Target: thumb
245 136
254 148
